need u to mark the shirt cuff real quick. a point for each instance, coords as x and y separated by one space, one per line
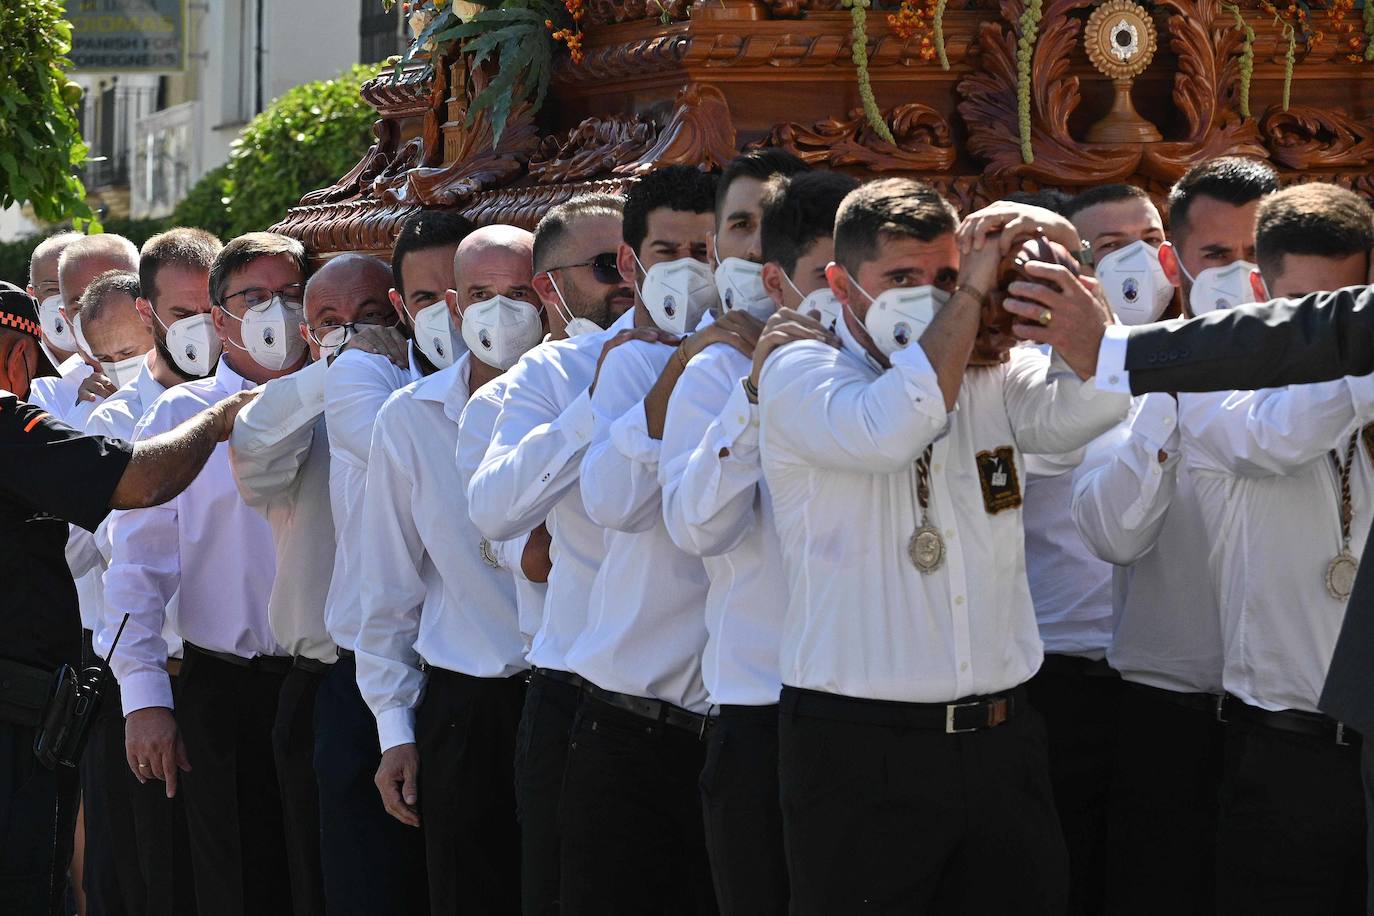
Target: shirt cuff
737 426
1156 422
1111 360
922 384
578 422
145 689
630 436
395 727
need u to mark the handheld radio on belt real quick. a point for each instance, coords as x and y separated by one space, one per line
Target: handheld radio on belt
72 710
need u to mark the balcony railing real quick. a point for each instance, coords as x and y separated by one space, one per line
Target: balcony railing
164 163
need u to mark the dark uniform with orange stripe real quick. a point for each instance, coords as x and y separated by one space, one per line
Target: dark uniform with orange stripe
50 475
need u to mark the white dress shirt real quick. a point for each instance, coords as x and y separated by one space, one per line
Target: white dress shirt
1269 494
840 438
531 474
1143 516
356 387
279 453
646 626
474 436
207 542
426 592
716 505
118 416
1070 587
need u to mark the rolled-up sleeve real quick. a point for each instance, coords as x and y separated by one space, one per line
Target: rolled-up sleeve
620 470
273 434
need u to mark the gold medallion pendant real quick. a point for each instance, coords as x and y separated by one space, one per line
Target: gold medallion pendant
927 549
1340 575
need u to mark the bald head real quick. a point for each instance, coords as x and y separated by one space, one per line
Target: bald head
495 261
348 289
43 264
87 258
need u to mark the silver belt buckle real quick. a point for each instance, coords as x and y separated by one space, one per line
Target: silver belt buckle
949 718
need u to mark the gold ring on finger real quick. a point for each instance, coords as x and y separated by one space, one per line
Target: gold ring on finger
1045 317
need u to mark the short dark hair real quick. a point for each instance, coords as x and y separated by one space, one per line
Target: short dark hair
889 207
1103 194
191 248
248 248
760 164
553 228
1318 219
1052 199
1231 179
96 300
676 187
424 230
798 210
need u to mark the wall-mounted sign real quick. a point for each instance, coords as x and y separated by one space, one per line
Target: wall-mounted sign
128 35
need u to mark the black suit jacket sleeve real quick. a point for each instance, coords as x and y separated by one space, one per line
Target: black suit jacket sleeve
1287 342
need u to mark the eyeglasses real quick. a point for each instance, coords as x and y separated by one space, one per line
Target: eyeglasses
258 298
604 268
336 335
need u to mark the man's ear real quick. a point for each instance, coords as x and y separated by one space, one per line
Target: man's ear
543 287
1258 287
454 314
145 313
625 262
774 284
840 284
1168 259
399 305
217 319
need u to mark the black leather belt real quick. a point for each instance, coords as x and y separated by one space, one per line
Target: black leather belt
268 664
561 677
347 653
657 710
309 665
1209 703
1293 721
971 714
24 693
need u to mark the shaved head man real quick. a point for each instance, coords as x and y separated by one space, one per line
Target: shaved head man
344 296
58 338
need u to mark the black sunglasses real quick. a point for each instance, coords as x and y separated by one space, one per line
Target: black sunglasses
603 267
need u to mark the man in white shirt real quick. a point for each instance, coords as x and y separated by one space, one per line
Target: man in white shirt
214 549
632 825
911 768
280 457
372 364
142 829
715 506
440 656
530 475
1285 480
58 342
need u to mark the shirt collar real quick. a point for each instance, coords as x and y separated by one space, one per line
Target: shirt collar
148 388
416 373
229 380
850 344
448 387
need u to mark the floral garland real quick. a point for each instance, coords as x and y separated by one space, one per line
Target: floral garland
1025 51
928 21
859 52
1247 60
1345 30
1293 20
572 35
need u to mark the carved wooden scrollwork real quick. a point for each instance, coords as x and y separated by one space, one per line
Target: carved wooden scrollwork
608 12
595 147
923 140
700 132
988 104
1312 138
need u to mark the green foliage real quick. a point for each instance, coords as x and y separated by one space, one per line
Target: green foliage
14 256
858 52
305 140
1025 53
1247 59
40 140
204 206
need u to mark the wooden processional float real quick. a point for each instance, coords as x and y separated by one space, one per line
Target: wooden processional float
1101 92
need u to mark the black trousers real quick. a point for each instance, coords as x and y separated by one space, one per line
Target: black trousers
465 732
1080 701
293 749
137 855
633 841
739 802
1291 834
372 862
1161 839
541 754
233 806
897 819
37 827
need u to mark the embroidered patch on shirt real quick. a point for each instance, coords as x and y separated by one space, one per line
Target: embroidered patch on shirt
997 474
